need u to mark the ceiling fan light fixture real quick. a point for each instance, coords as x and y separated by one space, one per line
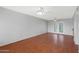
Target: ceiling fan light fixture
40 11
54 19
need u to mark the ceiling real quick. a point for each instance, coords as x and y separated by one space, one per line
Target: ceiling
50 12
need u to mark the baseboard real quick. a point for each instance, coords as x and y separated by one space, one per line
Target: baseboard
60 33
32 37
1 45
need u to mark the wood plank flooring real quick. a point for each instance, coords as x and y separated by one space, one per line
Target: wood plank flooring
45 43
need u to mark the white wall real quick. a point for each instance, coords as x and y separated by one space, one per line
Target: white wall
15 26
76 28
67 26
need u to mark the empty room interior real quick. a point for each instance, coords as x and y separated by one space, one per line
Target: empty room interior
39 29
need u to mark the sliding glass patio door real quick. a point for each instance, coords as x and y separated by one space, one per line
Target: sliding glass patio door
58 27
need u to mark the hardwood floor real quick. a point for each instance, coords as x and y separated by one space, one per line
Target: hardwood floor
45 43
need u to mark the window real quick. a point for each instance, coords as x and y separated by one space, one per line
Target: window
55 28
60 27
